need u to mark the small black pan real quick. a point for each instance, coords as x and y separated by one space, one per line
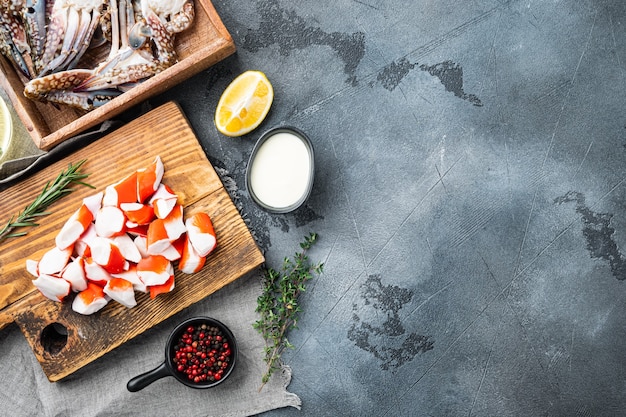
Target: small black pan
169 366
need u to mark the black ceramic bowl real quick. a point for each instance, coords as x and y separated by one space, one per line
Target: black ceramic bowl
170 366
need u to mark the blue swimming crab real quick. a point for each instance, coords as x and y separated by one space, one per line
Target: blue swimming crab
141 35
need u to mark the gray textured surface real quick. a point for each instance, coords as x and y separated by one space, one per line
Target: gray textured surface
470 199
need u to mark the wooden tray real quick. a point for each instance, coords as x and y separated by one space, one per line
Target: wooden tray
202 45
164 132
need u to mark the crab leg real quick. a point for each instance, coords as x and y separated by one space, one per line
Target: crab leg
35 24
11 51
86 36
13 39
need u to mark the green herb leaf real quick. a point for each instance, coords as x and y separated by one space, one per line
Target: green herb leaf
278 304
51 192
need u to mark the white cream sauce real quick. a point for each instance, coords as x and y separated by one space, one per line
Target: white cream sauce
280 171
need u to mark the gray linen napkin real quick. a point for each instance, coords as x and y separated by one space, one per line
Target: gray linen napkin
99 389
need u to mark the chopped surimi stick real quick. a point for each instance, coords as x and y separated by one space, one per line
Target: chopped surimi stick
157 240
148 180
174 223
167 286
54 260
190 262
96 273
94 203
154 270
142 245
32 266
74 273
90 300
170 253
74 227
201 233
132 277
81 247
121 291
51 287
106 254
139 230
163 201
127 247
124 191
110 221
137 213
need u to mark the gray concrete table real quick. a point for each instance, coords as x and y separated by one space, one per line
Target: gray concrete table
469 197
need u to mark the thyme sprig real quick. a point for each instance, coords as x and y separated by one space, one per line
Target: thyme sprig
51 192
278 304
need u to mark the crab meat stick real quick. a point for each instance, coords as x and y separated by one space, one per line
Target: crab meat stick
148 180
131 276
175 224
89 300
74 227
166 287
110 221
121 192
106 254
54 288
54 260
74 273
190 262
163 201
137 214
121 291
201 233
155 270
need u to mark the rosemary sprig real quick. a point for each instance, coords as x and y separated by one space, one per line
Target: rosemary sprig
51 193
278 304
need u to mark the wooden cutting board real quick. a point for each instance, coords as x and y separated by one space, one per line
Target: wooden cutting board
64 341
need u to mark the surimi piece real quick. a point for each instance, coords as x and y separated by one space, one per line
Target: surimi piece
94 203
54 260
174 223
127 247
32 266
163 200
74 273
123 240
96 273
110 221
121 291
155 270
137 214
51 287
89 300
131 276
148 180
157 240
124 191
74 227
106 254
190 262
201 233
166 287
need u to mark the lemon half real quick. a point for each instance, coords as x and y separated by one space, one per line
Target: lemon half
244 104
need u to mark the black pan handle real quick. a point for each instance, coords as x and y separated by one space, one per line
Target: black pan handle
141 381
